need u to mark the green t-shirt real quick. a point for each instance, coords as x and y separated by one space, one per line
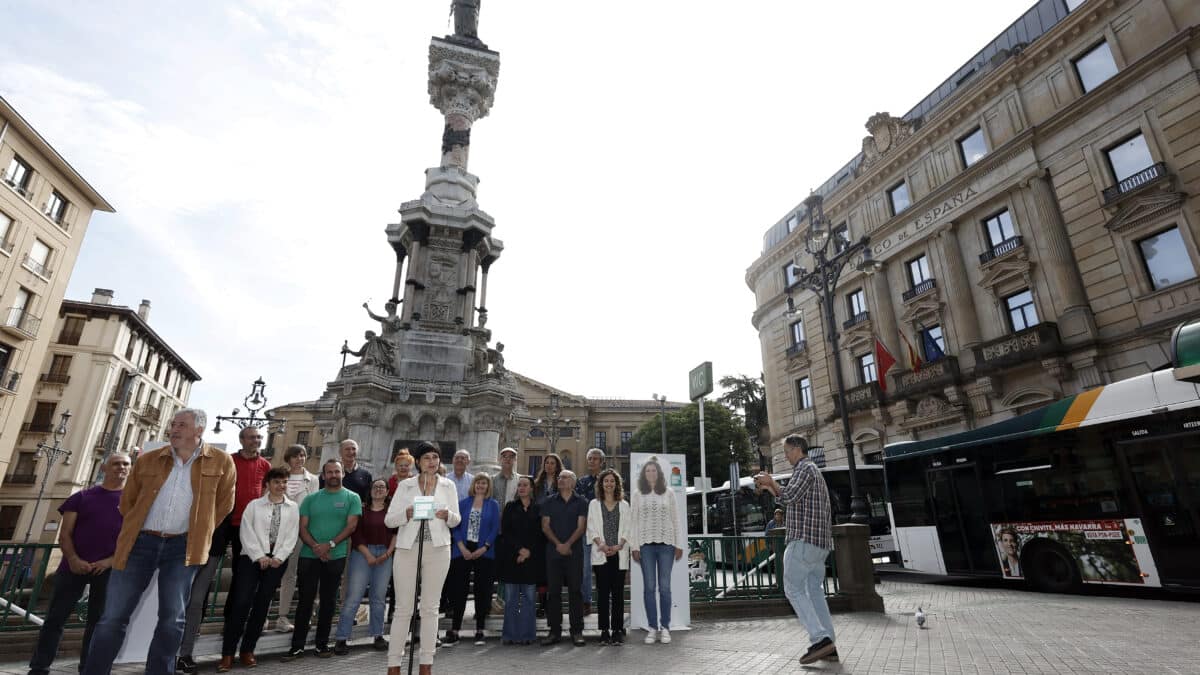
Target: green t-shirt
327 514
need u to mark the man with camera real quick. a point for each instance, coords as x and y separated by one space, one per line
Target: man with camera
809 540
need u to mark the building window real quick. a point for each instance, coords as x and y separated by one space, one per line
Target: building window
793 222
5 230
866 368
18 174
600 440
302 437
933 343
9 515
796 331
972 147
130 347
856 302
791 274
1128 157
158 371
626 442
56 207
60 367
43 416
1021 312
898 198
841 238
804 395
999 228
918 270
1073 5
1165 256
38 258
566 432
72 330
1095 67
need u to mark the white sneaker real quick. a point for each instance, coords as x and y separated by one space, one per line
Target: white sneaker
651 635
282 625
664 636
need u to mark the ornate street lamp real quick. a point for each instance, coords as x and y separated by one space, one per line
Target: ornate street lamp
822 281
50 453
255 402
553 418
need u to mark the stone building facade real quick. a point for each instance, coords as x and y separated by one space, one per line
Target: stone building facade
117 376
1036 218
45 208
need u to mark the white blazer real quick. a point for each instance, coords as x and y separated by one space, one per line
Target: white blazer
255 531
445 495
595 530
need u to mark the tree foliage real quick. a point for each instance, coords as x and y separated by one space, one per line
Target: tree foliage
724 439
748 396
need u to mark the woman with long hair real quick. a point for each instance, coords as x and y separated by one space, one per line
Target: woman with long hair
654 542
373 544
269 531
300 484
519 554
473 554
608 532
435 554
546 483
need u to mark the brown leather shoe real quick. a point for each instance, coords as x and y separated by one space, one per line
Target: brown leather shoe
248 660
225 665
426 669
393 670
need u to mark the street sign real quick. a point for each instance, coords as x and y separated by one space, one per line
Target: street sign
702 484
700 381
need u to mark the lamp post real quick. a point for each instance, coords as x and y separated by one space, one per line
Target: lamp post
553 417
51 453
254 402
822 281
662 416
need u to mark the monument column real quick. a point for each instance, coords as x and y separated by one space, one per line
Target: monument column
399 278
884 317
484 267
410 286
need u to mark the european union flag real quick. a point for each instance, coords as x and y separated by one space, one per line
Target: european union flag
932 351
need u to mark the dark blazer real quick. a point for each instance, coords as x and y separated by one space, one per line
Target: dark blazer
521 528
489 527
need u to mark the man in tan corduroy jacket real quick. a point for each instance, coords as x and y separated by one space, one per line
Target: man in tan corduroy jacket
173 500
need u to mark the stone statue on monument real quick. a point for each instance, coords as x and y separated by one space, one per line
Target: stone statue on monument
496 358
391 323
466 19
376 352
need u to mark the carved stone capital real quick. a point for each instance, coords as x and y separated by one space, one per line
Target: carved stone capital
462 81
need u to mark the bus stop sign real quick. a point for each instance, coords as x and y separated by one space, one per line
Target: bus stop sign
700 381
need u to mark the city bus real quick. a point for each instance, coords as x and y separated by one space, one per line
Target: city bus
1102 487
756 507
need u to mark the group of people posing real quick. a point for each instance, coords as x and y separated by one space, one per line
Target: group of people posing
176 510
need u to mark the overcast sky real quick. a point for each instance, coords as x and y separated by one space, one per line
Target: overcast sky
635 155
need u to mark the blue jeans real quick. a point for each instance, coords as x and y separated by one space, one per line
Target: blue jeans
804 586
125 588
360 576
657 561
585 587
520 613
68 589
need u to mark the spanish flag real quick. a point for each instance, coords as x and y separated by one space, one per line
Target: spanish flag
884 362
914 358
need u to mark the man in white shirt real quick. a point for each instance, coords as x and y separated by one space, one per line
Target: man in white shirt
462 479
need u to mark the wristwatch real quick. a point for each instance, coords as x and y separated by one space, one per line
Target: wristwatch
332 544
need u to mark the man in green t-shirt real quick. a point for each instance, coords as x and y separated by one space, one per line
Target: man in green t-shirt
327 519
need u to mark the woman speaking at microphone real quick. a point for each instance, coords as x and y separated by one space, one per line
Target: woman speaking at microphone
434 553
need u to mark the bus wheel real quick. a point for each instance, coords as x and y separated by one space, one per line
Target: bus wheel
1050 568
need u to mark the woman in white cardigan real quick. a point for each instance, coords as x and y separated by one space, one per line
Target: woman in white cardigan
655 543
269 532
300 484
435 555
608 533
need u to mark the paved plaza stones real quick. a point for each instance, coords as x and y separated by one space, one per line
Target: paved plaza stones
969 630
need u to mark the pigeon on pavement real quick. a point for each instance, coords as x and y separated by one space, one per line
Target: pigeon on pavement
920 618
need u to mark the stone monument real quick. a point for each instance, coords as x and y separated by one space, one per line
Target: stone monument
429 371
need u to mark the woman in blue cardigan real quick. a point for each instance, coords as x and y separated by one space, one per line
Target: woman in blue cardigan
472 553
